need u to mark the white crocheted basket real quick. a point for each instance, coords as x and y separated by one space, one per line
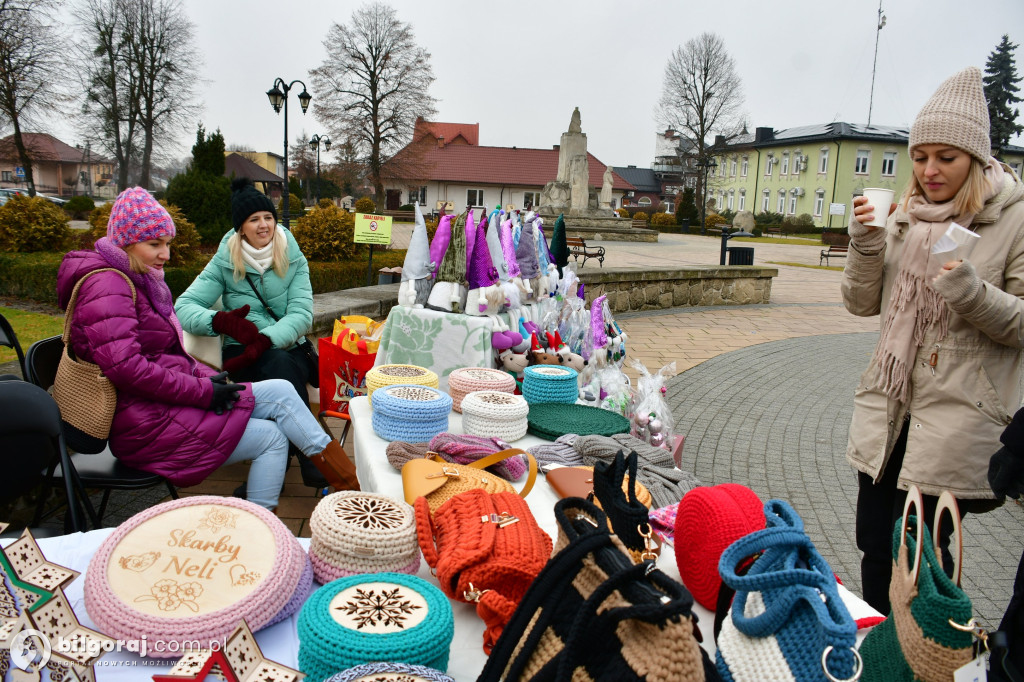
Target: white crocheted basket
389 375
494 414
465 380
355 532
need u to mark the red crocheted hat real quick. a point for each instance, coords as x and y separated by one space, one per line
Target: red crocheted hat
710 518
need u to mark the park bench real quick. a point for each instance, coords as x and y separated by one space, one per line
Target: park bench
578 247
400 216
772 231
833 252
639 224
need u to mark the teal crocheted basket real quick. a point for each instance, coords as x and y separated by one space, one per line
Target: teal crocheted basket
551 420
550 384
375 617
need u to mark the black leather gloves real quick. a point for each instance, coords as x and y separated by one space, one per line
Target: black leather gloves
225 395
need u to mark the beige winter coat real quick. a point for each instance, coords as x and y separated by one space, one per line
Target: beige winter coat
958 410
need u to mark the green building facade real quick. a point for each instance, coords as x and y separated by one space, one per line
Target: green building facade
815 169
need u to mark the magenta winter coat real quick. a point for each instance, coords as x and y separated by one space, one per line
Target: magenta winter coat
161 424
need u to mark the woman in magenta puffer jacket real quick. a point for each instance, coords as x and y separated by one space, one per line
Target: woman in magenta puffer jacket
174 417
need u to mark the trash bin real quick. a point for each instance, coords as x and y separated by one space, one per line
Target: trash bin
741 255
389 275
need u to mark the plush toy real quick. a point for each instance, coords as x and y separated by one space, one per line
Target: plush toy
512 297
570 359
449 291
515 364
508 251
526 257
438 247
547 284
486 296
559 247
417 268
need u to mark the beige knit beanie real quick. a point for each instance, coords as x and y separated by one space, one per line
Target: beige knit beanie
957 115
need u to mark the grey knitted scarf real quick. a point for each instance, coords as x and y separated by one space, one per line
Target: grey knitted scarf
655 470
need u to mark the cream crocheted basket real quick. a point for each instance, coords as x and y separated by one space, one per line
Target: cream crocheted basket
389 375
466 380
494 414
355 532
188 570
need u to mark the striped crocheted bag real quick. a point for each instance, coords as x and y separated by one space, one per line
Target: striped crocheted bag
787 619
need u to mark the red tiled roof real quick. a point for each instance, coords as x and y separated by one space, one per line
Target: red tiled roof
470 132
501 166
45 147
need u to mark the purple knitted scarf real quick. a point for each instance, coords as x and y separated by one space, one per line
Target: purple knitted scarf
151 284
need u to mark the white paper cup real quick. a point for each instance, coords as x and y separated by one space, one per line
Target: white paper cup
881 199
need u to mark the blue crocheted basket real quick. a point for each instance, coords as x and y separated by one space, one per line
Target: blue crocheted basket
410 412
550 384
391 671
375 617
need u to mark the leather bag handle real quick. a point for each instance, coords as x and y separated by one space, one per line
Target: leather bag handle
501 456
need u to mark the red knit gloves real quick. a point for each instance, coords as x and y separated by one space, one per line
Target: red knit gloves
251 354
234 324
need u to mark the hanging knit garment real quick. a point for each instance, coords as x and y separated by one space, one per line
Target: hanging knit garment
453 265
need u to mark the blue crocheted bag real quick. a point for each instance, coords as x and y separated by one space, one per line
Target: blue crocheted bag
787 620
410 413
374 617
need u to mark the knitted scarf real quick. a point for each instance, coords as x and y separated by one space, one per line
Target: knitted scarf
151 284
458 449
656 468
914 306
261 259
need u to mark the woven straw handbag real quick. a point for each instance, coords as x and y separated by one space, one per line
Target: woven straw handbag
86 398
438 481
930 632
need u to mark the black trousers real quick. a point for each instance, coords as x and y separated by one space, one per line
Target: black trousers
879 507
290 365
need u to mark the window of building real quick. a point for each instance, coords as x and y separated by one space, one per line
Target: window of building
745 166
781 205
732 196
792 202
785 164
732 167
860 166
418 194
823 162
721 169
644 201
1017 167
5 176
670 207
743 200
531 199
889 163
819 202
475 197
766 199
769 164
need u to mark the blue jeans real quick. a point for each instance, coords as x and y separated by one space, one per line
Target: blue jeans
279 417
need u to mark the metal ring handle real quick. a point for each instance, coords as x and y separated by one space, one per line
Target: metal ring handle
858 668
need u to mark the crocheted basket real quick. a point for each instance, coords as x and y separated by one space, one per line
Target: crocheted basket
410 412
376 617
494 414
709 519
188 570
390 672
355 532
389 375
551 420
468 379
550 384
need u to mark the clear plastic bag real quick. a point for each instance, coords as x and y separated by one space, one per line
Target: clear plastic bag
652 419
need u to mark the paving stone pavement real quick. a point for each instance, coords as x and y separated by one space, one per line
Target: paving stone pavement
775 417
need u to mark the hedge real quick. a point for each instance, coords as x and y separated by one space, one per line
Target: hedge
33 276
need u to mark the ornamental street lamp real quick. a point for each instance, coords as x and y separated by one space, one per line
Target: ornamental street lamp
278 96
314 143
706 165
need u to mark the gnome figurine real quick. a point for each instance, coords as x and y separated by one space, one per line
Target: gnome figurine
486 296
508 250
449 291
547 285
438 247
526 257
418 268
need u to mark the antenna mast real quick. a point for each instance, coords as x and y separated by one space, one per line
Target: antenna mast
881 23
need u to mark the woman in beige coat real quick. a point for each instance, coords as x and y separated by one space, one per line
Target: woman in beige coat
946 375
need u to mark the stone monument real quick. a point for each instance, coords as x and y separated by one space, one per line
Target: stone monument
587 212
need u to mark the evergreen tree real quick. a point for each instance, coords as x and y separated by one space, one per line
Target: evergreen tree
208 152
203 193
687 208
1001 92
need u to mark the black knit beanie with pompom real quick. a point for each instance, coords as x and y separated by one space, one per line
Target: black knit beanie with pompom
246 200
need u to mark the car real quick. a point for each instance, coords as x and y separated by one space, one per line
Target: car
57 200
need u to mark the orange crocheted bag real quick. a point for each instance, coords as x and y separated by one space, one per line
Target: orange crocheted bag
484 548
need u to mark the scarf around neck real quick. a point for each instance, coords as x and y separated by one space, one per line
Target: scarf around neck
915 308
152 284
261 259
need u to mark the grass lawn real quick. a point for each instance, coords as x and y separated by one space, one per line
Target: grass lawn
30 327
838 268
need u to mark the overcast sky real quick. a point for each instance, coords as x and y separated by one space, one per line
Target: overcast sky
518 69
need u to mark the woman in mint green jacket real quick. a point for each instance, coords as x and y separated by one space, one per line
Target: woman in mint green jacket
261 336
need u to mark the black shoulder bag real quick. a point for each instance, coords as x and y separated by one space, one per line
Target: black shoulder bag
306 346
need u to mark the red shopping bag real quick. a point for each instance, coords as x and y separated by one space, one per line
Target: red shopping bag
342 374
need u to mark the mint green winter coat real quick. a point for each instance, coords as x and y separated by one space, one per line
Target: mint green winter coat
291 297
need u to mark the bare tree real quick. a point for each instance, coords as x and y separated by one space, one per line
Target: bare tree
29 68
701 94
373 84
137 68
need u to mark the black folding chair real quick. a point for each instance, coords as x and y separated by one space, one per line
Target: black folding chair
103 470
10 339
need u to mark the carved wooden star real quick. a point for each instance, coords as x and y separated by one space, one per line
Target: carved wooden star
239 661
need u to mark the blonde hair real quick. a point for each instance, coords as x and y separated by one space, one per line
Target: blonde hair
969 199
280 257
135 262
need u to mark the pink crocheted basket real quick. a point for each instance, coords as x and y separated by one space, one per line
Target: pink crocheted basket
192 553
466 380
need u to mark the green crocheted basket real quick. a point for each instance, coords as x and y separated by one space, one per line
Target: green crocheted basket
551 420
